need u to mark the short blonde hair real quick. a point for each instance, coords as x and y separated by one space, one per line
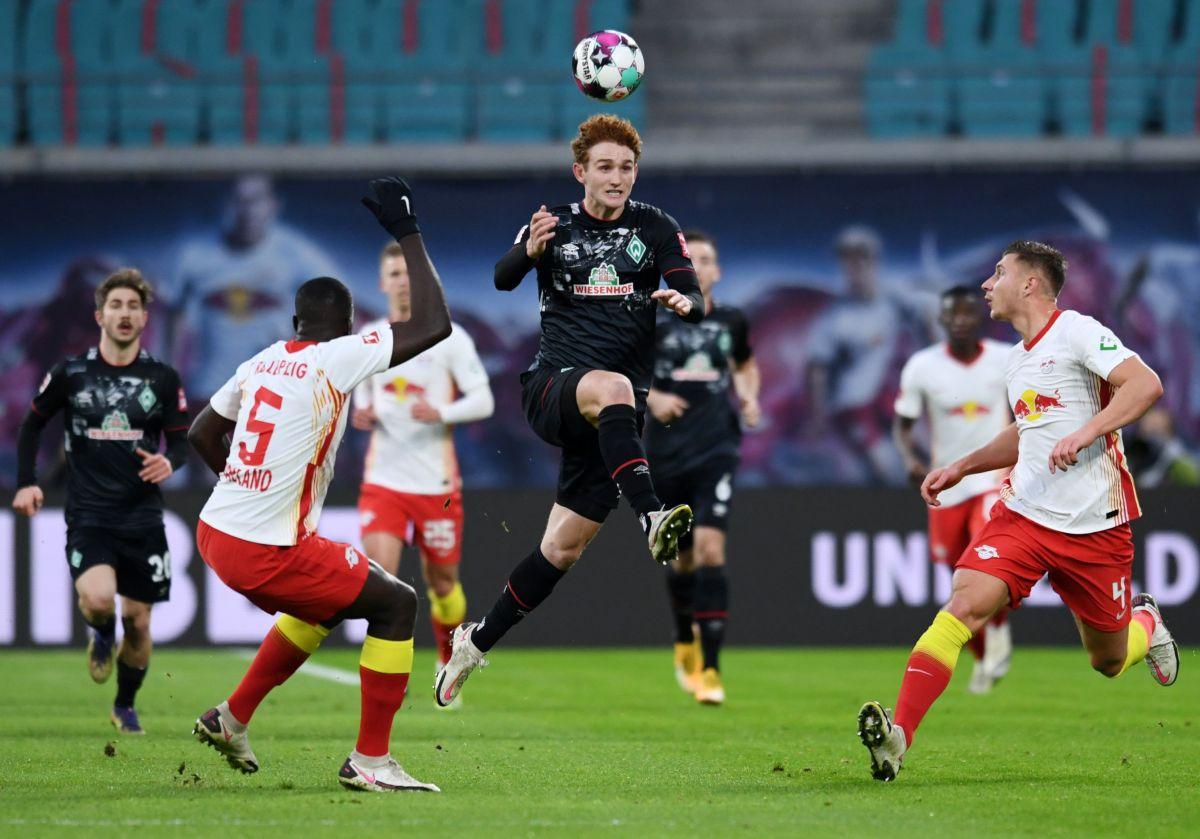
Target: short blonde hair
605 128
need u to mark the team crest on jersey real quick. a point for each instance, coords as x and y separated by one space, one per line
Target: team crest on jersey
635 249
683 245
147 398
603 281
986 552
1033 405
371 337
351 556
1047 366
115 427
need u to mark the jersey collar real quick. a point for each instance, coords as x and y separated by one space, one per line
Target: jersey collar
1053 317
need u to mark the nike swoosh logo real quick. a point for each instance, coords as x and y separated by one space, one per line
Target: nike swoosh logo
370 779
915 670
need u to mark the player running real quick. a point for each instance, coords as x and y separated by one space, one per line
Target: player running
1064 511
118 401
960 382
283 412
598 264
412 491
693 440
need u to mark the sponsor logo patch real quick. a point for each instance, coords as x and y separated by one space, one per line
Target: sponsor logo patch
603 281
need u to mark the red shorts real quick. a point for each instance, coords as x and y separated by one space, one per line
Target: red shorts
312 580
951 529
1090 571
434 523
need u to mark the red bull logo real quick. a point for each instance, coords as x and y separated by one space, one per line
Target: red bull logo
1032 405
402 388
969 410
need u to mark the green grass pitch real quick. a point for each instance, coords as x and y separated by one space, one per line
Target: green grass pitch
601 743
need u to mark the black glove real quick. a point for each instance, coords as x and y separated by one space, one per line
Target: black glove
391 202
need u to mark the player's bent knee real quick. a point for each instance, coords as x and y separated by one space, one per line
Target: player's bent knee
96 604
136 625
1108 667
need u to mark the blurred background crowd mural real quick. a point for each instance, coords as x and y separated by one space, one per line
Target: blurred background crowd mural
838 274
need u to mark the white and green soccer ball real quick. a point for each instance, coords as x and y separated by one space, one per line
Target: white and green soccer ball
608 65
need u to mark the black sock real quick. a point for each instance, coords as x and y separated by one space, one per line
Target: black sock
528 585
681 585
625 457
712 610
129 679
107 628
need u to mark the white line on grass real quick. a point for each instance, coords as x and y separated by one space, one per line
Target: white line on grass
311 668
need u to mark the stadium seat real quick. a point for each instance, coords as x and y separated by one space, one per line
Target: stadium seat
69 93
962 26
157 94
1142 24
9 12
1056 25
916 24
1104 97
1003 96
244 97
418 81
517 97
1189 26
1014 24
907 93
1181 91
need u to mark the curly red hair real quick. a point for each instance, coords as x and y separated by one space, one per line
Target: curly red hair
605 128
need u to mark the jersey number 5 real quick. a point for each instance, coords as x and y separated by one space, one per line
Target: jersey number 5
264 429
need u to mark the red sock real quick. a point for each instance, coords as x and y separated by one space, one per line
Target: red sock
976 644
277 659
441 637
382 696
924 680
1001 617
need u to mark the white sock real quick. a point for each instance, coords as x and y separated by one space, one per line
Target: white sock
367 762
233 723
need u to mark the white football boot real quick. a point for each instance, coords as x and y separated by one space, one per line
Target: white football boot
380 775
464 658
997 651
1163 657
217 728
663 529
886 742
981 677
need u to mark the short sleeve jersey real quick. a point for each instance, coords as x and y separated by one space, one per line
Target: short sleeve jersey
594 282
1056 384
406 455
967 403
110 412
696 361
289 405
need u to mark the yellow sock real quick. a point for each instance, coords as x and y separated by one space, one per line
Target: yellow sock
387 656
1139 644
304 636
450 610
944 640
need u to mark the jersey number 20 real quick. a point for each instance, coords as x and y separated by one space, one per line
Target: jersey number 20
264 429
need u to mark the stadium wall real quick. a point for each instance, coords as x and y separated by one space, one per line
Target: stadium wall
807 567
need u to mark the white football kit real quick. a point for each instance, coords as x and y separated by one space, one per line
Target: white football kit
1056 384
288 402
967 404
410 456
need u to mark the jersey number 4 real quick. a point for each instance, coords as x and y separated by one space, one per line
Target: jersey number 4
264 429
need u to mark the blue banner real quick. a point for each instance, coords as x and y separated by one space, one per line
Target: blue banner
226 255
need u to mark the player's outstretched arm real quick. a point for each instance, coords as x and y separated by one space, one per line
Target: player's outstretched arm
209 436
1137 389
1000 453
391 203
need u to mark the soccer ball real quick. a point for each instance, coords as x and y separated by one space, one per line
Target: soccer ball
608 65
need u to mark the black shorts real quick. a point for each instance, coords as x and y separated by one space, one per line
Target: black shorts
584 485
707 489
140 558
